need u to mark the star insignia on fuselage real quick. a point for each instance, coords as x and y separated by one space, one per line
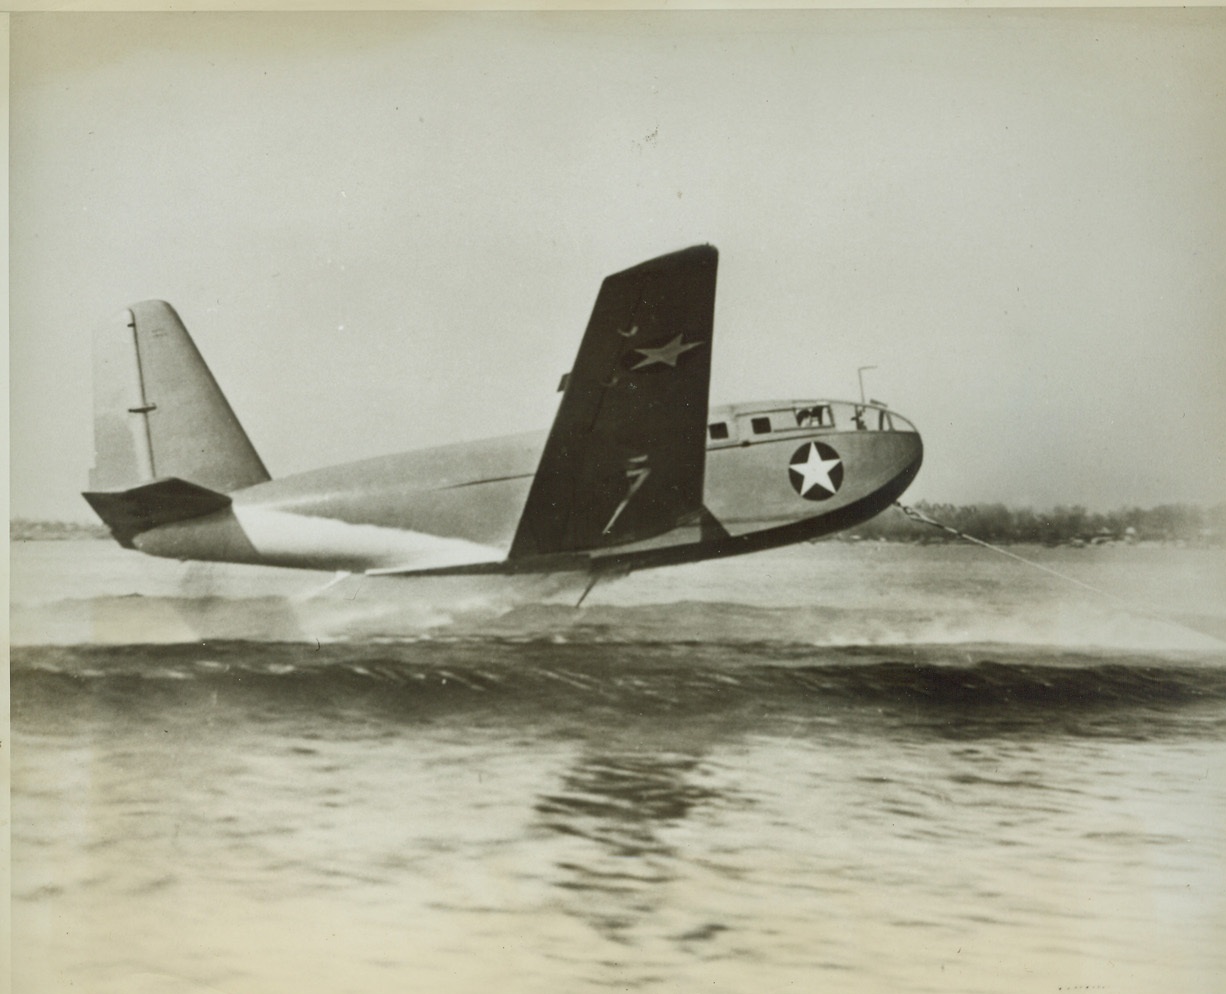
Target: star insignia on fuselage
816 471
666 354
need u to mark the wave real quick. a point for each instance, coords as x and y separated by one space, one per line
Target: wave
509 665
689 692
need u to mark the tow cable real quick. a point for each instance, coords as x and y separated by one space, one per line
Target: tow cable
917 515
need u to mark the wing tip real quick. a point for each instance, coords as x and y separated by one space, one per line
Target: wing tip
698 256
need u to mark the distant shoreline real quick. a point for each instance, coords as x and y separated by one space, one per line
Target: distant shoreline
1067 525
25 530
1185 524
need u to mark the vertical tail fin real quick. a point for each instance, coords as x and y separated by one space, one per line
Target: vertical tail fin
158 412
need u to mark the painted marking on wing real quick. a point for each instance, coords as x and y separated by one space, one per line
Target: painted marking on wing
636 474
666 355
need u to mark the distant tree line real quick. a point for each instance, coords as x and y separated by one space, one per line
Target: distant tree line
28 530
1066 524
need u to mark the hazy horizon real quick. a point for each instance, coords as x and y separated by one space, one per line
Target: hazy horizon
386 231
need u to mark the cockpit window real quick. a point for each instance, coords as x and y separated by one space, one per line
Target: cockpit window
761 425
718 430
817 416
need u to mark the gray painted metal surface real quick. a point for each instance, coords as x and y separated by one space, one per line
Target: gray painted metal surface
636 472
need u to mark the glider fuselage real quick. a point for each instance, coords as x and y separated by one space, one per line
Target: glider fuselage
455 508
636 471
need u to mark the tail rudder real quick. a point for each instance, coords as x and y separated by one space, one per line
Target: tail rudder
159 413
159 416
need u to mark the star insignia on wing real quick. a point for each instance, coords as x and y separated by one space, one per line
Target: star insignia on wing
666 355
816 471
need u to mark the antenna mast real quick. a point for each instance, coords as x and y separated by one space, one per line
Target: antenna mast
860 374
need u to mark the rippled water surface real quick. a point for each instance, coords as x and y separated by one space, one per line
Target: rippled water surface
843 767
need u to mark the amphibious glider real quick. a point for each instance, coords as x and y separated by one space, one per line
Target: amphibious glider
637 470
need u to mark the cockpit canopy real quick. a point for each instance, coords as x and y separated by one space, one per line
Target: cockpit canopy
745 423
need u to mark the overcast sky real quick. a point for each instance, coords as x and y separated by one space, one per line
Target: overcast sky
387 231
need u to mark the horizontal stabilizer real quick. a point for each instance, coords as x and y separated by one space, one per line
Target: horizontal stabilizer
129 512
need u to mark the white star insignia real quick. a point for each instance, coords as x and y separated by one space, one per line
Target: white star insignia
815 471
666 354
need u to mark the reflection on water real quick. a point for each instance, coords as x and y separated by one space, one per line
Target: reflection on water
621 805
395 817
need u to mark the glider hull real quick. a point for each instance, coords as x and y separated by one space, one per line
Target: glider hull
636 471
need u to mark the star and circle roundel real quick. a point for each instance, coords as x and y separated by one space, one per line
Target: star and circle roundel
816 471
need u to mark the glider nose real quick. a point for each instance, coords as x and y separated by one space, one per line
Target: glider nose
912 452
913 458
879 462
894 458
